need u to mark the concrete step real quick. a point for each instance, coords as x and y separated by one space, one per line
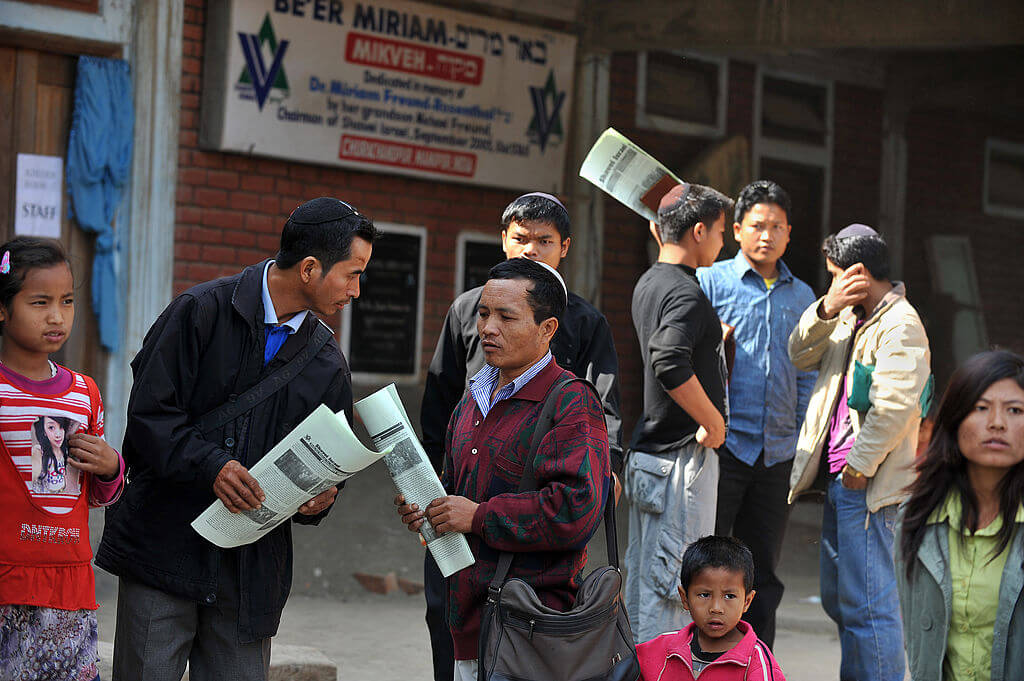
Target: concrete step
287 663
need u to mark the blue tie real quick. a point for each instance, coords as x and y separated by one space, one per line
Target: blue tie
276 336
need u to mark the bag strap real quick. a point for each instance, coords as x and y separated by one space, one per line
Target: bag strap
528 483
257 394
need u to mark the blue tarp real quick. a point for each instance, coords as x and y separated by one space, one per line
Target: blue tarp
98 166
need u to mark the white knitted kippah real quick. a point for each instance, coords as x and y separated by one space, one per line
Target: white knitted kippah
558 276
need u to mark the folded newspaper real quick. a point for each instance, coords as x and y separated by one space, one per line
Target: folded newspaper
317 455
388 424
628 173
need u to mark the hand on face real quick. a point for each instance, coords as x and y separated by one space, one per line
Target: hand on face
849 287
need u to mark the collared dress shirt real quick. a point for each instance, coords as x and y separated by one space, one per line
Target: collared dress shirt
767 396
484 381
976 577
276 332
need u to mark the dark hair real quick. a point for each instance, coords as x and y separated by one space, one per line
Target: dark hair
330 242
942 469
27 253
699 204
870 251
761 191
546 296
44 442
717 552
534 208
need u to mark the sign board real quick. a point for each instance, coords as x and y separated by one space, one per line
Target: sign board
383 327
392 86
38 196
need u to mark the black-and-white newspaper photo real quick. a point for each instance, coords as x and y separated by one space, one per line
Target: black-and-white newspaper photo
388 425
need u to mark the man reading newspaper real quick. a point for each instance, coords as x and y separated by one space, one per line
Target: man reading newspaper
487 445
180 598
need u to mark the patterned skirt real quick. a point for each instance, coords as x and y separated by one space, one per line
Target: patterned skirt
47 644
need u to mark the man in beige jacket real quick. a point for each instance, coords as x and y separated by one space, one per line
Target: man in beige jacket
870 350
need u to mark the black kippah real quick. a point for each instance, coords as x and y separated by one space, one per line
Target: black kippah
321 210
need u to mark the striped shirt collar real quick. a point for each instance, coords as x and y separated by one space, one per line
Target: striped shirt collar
483 383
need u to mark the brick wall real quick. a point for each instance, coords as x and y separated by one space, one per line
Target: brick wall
946 170
230 208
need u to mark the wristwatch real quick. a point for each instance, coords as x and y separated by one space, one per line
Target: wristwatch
852 472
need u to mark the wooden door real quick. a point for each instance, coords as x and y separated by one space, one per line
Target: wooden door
38 91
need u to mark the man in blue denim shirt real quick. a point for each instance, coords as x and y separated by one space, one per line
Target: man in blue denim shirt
757 295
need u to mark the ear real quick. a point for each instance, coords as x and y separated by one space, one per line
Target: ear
309 269
504 235
565 247
3 313
736 229
654 233
682 597
749 599
548 327
700 230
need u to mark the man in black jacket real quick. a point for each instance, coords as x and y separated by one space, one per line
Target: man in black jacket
534 226
181 598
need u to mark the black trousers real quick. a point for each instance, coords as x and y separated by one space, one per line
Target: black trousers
441 646
752 507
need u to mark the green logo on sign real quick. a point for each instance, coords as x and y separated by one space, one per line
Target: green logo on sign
547 113
258 77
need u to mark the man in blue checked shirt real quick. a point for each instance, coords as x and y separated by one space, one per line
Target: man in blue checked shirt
757 295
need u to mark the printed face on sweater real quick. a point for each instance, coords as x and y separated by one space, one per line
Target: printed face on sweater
716 600
534 240
992 434
509 336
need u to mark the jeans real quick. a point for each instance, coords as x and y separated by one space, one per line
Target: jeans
752 507
672 504
858 585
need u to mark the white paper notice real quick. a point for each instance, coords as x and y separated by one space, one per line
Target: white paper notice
38 195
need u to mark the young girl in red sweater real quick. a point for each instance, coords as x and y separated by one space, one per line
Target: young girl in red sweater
54 465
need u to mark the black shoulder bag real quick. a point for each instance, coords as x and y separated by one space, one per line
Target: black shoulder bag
522 639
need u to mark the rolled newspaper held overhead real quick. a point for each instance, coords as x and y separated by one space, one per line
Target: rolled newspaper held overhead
628 173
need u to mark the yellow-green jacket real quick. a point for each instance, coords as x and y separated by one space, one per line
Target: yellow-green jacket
893 344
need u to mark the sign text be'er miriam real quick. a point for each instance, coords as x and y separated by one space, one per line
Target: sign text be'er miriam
392 86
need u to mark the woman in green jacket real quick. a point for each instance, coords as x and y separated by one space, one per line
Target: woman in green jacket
960 555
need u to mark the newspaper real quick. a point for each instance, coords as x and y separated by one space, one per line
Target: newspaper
628 173
388 424
318 454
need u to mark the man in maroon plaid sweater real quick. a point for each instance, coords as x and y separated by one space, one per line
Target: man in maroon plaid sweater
486 446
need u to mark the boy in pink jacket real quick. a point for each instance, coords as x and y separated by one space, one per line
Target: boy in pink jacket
715 586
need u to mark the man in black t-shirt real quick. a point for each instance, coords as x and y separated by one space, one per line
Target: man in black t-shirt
671 476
